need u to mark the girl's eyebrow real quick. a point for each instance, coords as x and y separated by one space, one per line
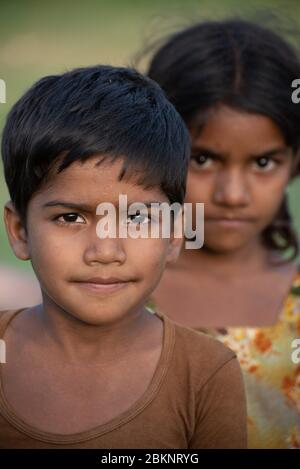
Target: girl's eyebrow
270 153
207 151
265 154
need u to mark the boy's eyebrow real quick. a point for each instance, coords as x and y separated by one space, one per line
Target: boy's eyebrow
88 208
60 203
148 203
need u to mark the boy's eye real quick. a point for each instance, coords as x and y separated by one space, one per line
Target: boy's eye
265 164
139 218
201 161
67 218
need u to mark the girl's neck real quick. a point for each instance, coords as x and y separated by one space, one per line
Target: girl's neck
252 258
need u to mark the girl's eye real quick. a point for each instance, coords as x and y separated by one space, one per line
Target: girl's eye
139 218
67 218
201 161
265 164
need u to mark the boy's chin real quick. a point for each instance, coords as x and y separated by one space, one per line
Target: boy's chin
97 317
87 312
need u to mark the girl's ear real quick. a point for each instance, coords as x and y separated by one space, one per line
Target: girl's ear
296 165
16 232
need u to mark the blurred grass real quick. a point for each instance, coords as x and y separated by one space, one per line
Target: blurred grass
39 38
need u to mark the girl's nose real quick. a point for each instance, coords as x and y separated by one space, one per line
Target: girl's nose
231 189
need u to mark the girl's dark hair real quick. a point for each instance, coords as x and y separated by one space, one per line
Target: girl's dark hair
101 110
244 66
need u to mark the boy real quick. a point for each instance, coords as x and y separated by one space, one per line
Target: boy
91 367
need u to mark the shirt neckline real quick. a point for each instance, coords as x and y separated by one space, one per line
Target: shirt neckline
137 407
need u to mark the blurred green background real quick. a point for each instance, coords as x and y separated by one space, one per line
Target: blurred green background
44 37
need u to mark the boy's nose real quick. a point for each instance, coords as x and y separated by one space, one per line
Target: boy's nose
231 189
105 251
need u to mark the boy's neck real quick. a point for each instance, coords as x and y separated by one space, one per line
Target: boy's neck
81 343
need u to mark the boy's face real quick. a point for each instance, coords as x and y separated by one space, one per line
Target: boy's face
66 252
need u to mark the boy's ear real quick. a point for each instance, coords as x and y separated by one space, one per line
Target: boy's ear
176 243
174 249
16 232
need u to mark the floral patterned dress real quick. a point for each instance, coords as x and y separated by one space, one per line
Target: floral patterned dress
270 361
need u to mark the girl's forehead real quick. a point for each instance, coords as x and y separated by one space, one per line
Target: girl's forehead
234 118
230 128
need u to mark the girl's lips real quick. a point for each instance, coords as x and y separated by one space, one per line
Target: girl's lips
230 222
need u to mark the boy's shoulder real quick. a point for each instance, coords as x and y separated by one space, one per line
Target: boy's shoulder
196 351
5 316
197 341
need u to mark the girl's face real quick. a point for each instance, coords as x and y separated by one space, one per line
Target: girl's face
240 167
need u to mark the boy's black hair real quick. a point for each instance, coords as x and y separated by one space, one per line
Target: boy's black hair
242 65
111 111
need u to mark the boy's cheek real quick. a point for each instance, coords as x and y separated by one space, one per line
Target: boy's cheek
147 255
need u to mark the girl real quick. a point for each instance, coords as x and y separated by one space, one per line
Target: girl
231 82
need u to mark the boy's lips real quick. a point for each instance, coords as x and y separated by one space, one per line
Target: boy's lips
105 280
103 284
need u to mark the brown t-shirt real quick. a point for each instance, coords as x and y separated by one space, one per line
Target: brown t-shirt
195 400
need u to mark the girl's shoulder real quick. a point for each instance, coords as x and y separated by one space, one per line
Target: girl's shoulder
291 308
295 287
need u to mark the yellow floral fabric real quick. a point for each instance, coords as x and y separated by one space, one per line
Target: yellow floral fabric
271 376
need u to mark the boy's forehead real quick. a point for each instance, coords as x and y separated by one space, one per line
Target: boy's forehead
92 183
